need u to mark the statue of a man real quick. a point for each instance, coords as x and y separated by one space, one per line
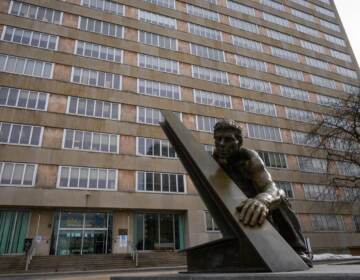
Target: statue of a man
265 200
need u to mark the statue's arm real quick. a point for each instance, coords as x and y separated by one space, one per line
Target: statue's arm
254 211
268 192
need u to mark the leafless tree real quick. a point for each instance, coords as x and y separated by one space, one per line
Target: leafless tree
338 135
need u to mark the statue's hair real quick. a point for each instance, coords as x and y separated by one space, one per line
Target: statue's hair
229 125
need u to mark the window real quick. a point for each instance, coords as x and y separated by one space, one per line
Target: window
348 169
307 30
286 187
26 66
320 192
205 32
273 160
309 164
273 4
251 63
98 51
22 98
288 55
90 141
241 8
330 25
243 25
299 115
212 98
324 11
105 6
247 44
160 182
101 27
158 40
280 36
210 223
350 194
206 52
327 100
302 15
294 93
317 63
346 72
258 107
323 222
254 84
323 82
170 4
351 89
205 124
208 74
95 78
301 138
275 19
157 19
93 108
17 174
312 46
35 12
203 13
18 134
289 73
212 1
158 63
154 147
30 38
264 132
340 55
154 88
74 177
151 116
356 220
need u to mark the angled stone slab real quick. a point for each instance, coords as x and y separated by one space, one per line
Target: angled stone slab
242 248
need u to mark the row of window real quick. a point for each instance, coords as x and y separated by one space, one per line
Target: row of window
24 174
20 134
26 66
160 41
250 27
30 38
115 30
21 98
98 51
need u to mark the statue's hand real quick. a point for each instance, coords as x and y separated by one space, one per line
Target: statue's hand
252 212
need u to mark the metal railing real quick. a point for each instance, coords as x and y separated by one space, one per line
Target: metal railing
29 255
134 253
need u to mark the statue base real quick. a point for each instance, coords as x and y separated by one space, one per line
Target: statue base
224 255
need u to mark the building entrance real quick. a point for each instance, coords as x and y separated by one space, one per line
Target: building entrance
82 233
13 230
158 231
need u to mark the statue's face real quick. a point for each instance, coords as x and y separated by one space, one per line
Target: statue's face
226 143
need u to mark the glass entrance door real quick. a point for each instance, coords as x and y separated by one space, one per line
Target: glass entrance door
82 233
157 231
13 230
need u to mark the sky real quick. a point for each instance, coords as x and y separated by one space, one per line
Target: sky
349 11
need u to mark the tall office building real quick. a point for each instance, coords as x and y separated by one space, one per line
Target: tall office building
85 167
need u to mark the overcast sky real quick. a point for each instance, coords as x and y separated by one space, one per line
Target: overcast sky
349 11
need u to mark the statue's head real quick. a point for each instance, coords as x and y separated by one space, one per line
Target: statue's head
228 138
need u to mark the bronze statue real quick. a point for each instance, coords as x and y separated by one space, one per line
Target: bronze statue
265 200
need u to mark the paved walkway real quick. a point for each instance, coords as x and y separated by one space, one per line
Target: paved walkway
324 271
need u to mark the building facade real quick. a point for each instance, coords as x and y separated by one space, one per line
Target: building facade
84 165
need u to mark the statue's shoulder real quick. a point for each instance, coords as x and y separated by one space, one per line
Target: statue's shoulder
252 158
248 153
